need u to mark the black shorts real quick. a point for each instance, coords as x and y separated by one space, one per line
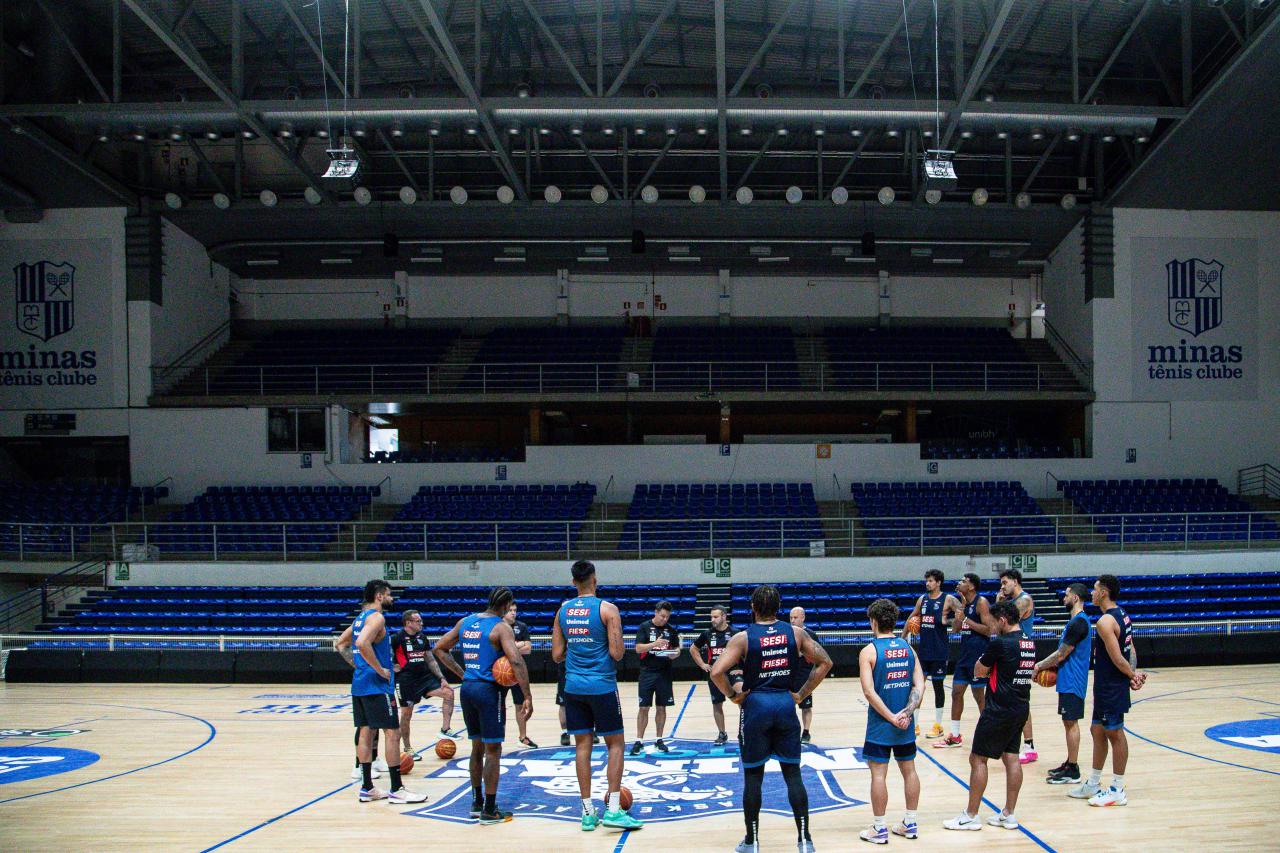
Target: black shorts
934 670
560 688
997 735
656 685
1070 706
717 698
410 692
807 704
597 713
375 711
517 695
880 753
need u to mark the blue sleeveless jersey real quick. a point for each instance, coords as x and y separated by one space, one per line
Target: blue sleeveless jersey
1073 673
1110 685
364 681
1028 623
895 665
772 658
478 653
972 644
588 668
933 633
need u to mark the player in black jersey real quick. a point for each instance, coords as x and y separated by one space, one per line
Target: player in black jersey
796 617
418 675
525 645
705 650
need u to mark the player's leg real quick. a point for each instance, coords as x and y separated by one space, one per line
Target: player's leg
752 798
783 737
578 710
445 694
754 752
607 711
1028 752
717 712
798 798
645 688
494 731
806 718
406 720
980 696
977 782
1012 785
660 720
1113 730
475 766
909 827
878 832
990 738
1090 787
937 674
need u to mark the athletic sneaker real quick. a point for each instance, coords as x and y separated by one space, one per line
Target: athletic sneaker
949 742
590 822
804 736
917 730
806 846
1027 756
497 816
380 765
637 748
368 795
1053 771
875 835
477 808
1007 821
906 830
963 821
618 819
745 846
1084 791
403 796
564 738
358 775
937 731
722 739
1069 775
1109 797
659 746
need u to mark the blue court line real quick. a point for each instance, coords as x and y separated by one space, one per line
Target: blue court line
213 732
626 833
1263 701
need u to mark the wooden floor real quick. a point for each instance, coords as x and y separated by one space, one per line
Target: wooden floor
198 767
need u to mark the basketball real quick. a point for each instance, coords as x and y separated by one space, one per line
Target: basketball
1047 677
406 762
503 673
624 798
913 625
446 748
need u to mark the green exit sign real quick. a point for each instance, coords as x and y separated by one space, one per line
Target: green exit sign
1025 563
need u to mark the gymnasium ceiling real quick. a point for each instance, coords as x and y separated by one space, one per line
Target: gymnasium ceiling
129 101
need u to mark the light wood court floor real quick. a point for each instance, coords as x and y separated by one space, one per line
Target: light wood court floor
196 767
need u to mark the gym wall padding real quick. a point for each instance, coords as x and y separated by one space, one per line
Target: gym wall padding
47 666
197 666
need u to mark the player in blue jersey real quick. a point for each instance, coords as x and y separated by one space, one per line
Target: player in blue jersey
769 652
893 684
373 691
975 628
1011 590
485 637
1115 673
935 610
587 639
1072 663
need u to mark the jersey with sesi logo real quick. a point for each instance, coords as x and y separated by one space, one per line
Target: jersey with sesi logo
711 643
588 668
478 653
892 678
1012 658
933 629
772 657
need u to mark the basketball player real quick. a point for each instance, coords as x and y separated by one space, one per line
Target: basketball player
934 610
417 675
796 617
656 644
343 645
1115 673
893 684
768 729
525 645
1008 662
1072 662
1011 590
484 638
704 651
587 639
372 695
975 629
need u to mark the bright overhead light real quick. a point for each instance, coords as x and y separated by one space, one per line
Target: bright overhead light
1037 134
1022 200
552 194
839 195
246 133
966 133
795 195
513 129
213 134
173 200
397 129
607 130
458 195
886 195
286 130
599 194
702 130
697 194
1108 136
268 198
322 133
332 261
1073 135
933 196
927 133
362 196
506 195
104 134
745 130
819 129
1142 138
744 195
138 134
1002 134
855 131
1068 201
649 194
576 128
544 131
408 195
221 201
472 130
312 195
640 130
360 130
782 130
893 133
672 130
980 196
435 128
175 133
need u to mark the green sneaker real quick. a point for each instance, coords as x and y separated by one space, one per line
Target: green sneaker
618 819
590 822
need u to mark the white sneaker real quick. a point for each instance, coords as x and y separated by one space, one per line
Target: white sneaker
875 835
371 794
745 846
1109 797
380 766
963 821
906 830
1007 821
357 775
1085 790
402 796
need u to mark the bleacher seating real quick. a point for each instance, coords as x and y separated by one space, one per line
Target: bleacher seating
1167 510
526 518
1190 598
833 606
949 514
923 357
707 357
545 358
47 518
959 448
443 454
251 519
768 516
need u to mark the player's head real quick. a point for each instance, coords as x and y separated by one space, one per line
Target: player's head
1006 615
378 592
719 618
765 601
969 584
512 612
883 615
661 613
584 575
1075 593
796 616
412 622
933 580
500 600
1011 582
1106 590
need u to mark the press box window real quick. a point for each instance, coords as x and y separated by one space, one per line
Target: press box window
295 430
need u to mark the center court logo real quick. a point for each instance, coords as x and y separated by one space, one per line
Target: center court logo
1262 735
696 779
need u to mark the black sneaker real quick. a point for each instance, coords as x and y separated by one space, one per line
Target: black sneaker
637 748
660 746
564 738
804 736
497 816
477 807
722 739
1069 776
595 740
1056 770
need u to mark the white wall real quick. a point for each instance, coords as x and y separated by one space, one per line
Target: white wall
1065 305
314 299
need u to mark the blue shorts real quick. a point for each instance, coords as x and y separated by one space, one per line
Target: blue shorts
599 713
768 728
717 698
1109 715
964 675
879 753
934 670
483 711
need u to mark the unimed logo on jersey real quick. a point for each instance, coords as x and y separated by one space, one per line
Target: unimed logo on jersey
696 779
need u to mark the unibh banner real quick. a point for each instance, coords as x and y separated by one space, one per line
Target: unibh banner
1195 326
55 349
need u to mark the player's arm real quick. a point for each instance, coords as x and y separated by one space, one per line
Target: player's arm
1109 633
642 648
952 610
444 647
1076 632
985 625
342 645
509 647
1026 606
559 648
364 643
696 651
613 629
525 646
915 611
815 654
398 657
982 668
434 667
731 657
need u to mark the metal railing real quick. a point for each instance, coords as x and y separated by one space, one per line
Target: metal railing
164 377
1261 479
619 376
636 539
1082 369
35 604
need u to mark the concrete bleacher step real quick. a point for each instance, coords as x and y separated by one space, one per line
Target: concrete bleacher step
1055 375
193 384
636 357
811 353
835 529
598 535
453 365
1049 609
711 595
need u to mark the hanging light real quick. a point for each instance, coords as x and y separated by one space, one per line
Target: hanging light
795 195
933 196
839 195
222 201
173 200
1068 201
285 131
697 194
599 194
362 196
312 195
506 195
175 133
552 194
268 198
458 195
744 195
1022 200
408 196
649 194
980 196
886 196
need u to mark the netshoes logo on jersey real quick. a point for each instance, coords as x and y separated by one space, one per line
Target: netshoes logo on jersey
696 779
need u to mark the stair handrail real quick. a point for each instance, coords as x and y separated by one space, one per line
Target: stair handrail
1261 479
604 499
162 373
39 596
1082 368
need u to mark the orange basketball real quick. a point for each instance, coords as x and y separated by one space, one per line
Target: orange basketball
913 625
446 748
1047 677
624 798
503 673
406 762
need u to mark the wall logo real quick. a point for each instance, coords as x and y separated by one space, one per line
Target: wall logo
696 779
1262 735
21 763
45 298
1195 295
